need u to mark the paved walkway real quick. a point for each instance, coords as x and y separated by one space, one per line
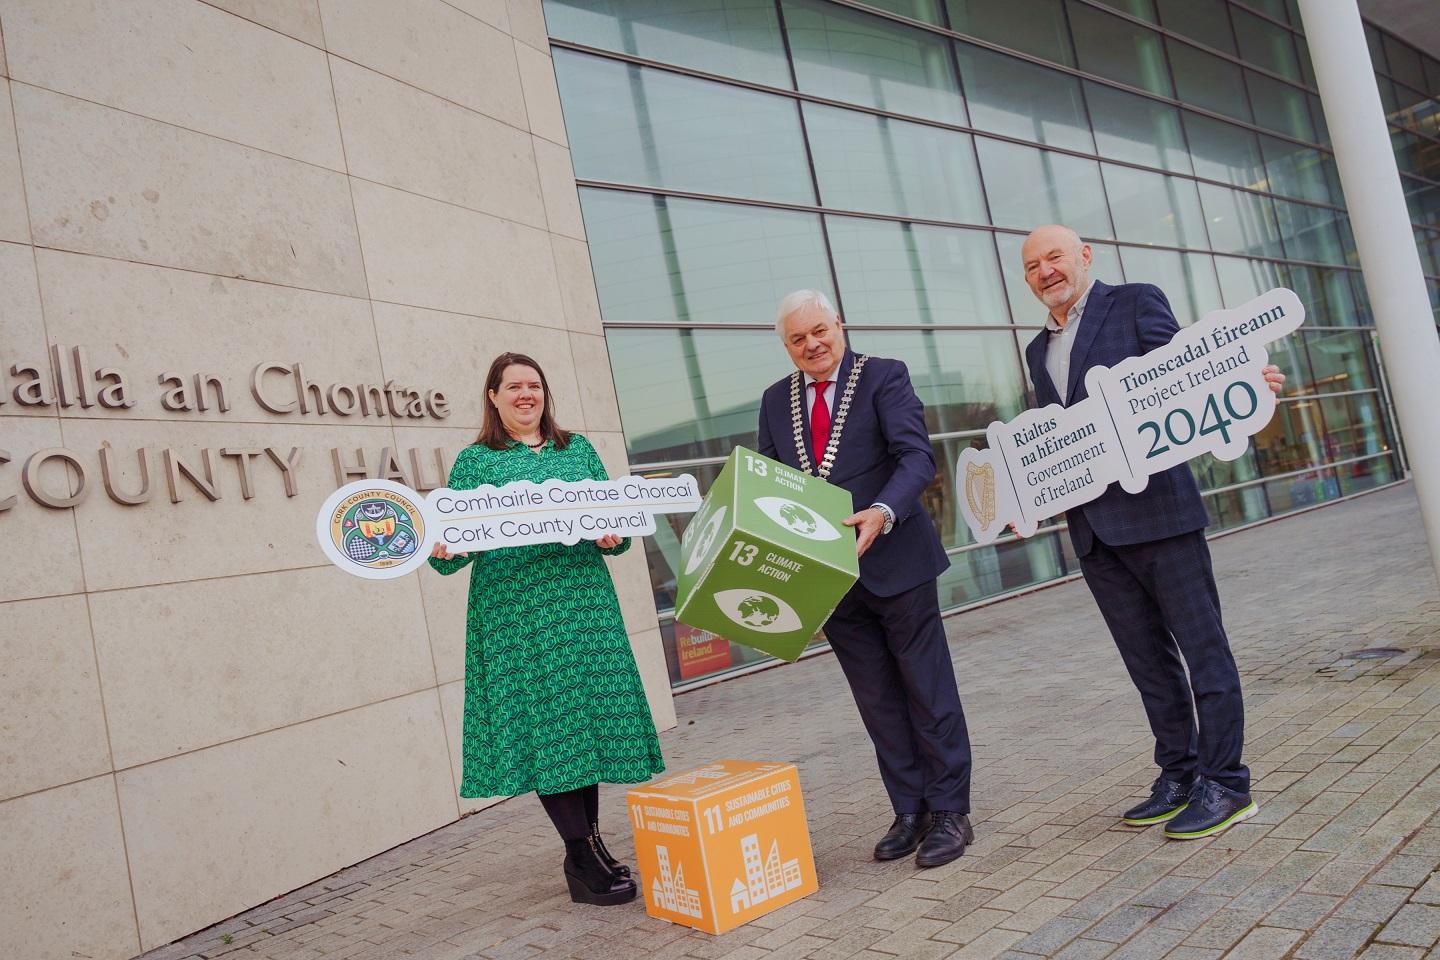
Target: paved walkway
1341 860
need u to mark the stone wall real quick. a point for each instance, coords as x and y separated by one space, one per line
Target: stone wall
197 713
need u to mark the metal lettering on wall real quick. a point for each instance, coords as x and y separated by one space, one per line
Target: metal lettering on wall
70 379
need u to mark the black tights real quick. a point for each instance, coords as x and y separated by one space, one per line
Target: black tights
573 811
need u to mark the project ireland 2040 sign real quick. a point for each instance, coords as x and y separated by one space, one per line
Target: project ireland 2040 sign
1203 392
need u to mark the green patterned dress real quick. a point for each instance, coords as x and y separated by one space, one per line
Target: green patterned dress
552 697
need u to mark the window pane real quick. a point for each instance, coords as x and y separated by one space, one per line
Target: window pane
965 378
1118 49
1153 208
1001 567
1428 241
1240 222
1309 233
1242 280
1327 295
1297 171
1188 279
847 55
1202 20
692 393
1339 360
1423 200
734 38
1208 81
1036 27
1432 76
879 165
926 10
1307 68
1223 151
1025 308
1266 45
1275 8
1029 187
673 260
915 273
1404 61
1279 106
1317 114
1376 45
1354 427
1135 128
1144 9
636 125
1022 100
1291 440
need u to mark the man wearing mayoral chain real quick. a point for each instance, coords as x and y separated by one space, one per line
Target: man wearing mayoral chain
1144 555
855 421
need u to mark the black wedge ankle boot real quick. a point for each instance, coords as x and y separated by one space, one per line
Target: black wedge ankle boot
615 865
590 880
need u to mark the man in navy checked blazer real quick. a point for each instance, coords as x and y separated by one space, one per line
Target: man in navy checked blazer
1144 555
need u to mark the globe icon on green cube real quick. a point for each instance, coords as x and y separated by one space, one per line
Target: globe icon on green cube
799 519
767 556
759 611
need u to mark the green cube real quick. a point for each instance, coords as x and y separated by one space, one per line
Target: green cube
767 556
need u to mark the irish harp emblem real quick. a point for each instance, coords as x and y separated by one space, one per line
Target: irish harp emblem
980 493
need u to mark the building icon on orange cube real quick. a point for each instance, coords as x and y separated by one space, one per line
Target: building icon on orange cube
722 844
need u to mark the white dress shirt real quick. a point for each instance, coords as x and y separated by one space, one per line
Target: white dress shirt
1062 342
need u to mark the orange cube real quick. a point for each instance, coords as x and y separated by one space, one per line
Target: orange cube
722 844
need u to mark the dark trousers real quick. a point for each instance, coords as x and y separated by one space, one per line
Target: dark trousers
895 657
1160 602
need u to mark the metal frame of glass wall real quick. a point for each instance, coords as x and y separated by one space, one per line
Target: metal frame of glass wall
894 154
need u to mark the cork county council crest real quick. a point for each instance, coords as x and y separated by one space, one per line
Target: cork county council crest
376 531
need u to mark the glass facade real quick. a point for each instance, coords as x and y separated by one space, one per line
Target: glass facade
895 153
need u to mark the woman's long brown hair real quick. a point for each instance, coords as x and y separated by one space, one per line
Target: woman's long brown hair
492 430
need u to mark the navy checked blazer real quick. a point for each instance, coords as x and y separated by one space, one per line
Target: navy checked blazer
884 456
1119 322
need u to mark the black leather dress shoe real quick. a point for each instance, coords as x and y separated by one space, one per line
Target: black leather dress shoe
949 835
1167 798
904 836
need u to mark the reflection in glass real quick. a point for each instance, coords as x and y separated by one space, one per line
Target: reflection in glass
1292 439
1153 208
1327 295
641 125
1002 567
1202 20
1188 279
1309 233
1234 508
1353 426
1367 474
733 38
1105 265
1279 106
1240 222
1266 45
880 165
1022 100
1242 280
1036 27
1339 360
1297 171
926 10
673 260
915 273
1208 81
692 393
1029 187
1137 129
1423 199
662 550
1404 62
1223 151
1117 49
965 378
846 55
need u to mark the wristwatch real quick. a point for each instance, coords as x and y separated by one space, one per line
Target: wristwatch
889 517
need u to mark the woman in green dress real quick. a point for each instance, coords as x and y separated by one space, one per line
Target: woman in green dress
553 702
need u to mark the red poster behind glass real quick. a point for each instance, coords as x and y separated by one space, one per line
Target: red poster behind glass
700 651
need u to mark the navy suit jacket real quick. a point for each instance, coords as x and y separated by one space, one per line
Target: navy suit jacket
1119 322
884 456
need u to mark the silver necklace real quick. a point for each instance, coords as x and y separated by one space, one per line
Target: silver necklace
841 409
